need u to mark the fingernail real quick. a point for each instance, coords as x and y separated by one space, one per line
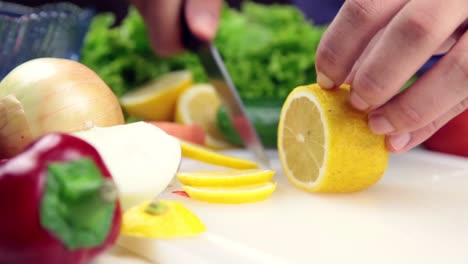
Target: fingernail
399 141
205 23
357 102
380 125
324 81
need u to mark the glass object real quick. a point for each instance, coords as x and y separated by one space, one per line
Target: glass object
51 30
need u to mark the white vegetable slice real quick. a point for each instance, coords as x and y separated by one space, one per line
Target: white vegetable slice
142 158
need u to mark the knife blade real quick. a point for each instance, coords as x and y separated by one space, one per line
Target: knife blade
219 78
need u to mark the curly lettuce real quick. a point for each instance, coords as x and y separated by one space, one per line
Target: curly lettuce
268 50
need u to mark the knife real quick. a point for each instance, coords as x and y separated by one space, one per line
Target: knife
219 78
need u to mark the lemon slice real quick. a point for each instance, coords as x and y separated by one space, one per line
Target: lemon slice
231 195
325 145
228 178
156 100
199 105
173 220
209 156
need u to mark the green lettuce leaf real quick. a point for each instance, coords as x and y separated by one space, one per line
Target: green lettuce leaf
268 50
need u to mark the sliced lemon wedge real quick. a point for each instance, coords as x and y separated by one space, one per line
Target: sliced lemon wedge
209 156
156 100
232 195
229 178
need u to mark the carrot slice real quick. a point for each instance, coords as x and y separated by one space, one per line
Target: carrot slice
191 133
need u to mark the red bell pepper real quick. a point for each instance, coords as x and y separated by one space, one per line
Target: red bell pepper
58 203
452 138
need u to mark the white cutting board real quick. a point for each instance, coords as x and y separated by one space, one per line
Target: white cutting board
418 213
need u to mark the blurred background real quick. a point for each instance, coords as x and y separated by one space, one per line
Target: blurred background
120 7
319 10
268 49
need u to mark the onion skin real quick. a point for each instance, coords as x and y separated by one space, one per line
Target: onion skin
56 95
12 119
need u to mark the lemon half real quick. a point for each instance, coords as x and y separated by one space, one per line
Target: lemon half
325 145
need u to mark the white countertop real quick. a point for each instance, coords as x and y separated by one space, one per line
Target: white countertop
418 213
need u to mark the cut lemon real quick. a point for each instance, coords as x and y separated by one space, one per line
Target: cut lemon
156 100
231 195
325 145
228 178
199 105
170 220
209 156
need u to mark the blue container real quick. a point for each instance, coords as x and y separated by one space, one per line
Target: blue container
52 30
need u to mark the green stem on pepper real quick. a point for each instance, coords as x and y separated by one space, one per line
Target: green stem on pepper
156 208
78 203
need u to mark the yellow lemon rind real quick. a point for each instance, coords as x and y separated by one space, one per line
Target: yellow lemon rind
209 156
234 195
157 104
177 222
229 178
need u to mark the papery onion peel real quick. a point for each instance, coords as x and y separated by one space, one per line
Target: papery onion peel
52 95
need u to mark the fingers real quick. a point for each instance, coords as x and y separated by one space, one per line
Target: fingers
203 17
348 35
435 98
365 53
447 45
162 18
407 43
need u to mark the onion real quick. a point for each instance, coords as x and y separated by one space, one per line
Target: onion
142 158
52 95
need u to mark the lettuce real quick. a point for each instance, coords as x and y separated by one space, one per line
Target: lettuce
268 50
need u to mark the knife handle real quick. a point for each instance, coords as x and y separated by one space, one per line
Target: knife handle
189 40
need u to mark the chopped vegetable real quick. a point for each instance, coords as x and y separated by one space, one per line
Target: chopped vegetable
58 203
191 133
181 193
267 49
